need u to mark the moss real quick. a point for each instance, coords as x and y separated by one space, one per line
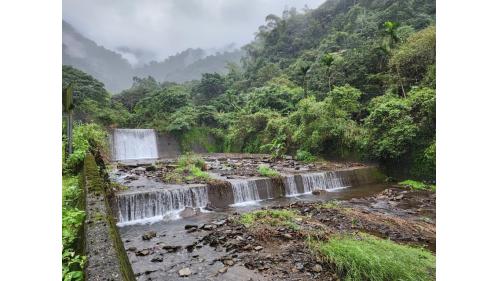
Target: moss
200 136
97 183
416 185
365 257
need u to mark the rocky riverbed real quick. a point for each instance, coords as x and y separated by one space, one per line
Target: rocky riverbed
219 246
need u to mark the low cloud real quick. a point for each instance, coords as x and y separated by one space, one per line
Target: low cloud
160 28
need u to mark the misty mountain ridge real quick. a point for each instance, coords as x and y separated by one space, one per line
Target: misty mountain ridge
116 72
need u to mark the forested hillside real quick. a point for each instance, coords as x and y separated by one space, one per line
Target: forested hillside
348 80
116 73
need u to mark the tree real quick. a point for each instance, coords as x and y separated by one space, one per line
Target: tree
415 59
67 99
210 86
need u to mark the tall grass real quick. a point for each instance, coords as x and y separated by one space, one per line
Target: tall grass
365 257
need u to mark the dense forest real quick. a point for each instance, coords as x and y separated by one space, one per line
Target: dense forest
349 80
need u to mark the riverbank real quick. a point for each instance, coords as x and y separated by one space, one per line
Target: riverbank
277 243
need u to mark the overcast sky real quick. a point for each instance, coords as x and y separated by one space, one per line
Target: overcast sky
165 27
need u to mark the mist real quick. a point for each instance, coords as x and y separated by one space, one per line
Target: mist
155 29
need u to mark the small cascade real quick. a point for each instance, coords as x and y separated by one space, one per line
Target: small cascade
139 206
326 181
290 186
245 192
133 144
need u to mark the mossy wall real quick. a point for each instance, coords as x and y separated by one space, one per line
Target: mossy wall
98 194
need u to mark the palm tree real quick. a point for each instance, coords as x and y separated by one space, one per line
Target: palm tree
327 60
391 40
67 99
304 69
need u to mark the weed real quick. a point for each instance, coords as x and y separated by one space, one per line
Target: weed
417 185
265 171
285 218
365 257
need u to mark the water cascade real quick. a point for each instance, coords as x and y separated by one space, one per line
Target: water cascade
290 186
131 144
134 207
245 192
328 181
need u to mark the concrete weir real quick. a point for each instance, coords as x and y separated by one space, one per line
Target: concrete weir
153 204
142 144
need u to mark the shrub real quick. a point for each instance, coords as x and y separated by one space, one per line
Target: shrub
190 159
85 137
304 155
265 171
71 191
365 257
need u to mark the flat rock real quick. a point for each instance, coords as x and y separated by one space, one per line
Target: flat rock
184 272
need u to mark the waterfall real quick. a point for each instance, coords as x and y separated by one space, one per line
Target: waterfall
326 180
130 144
155 204
245 192
290 186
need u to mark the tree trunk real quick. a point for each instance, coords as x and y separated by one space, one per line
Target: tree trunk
400 83
69 133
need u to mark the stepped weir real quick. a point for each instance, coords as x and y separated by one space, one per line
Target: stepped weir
150 199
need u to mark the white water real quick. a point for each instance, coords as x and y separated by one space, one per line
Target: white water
329 181
143 207
131 144
290 186
245 193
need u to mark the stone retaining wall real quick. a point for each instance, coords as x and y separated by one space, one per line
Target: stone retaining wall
106 256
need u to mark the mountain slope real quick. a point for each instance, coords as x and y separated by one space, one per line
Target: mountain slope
107 66
116 72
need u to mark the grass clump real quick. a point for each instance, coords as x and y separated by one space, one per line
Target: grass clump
266 171
190 167
365 257
329 205
417 185
286 218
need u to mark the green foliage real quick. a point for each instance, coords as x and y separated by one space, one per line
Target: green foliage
190 167
413 58
304 155
283 217
72 192
190 159
351 80
85 138
72 224
73 266
91 101
200 136
417 185
365 257
211 86
266 171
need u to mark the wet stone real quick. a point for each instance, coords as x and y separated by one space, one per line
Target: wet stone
148 235
144 252
157 259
